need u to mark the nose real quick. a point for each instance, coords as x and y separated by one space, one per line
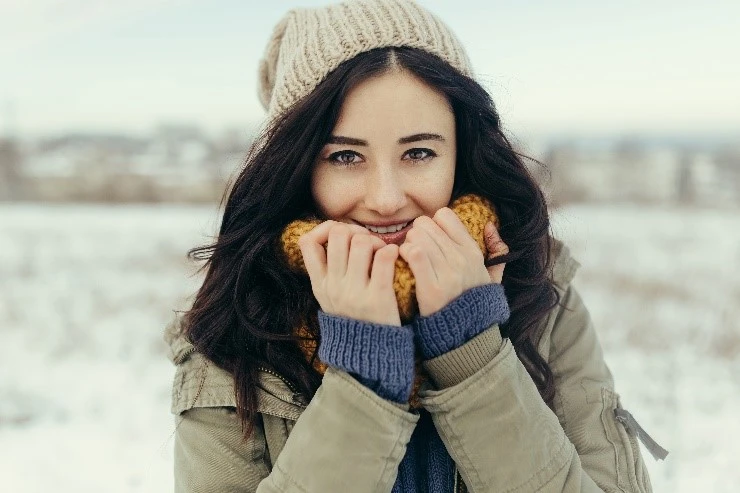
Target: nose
385 191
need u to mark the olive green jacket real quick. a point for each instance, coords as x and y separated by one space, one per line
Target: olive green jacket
486 408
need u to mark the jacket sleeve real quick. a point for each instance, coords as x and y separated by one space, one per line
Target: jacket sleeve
347 439
502 435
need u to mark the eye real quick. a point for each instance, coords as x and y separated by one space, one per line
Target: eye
419 154
344 158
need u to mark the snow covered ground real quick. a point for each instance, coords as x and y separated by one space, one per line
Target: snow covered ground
86 290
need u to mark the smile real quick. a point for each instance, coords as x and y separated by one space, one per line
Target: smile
386 229
397 236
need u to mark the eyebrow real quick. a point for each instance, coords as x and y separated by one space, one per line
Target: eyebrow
341 140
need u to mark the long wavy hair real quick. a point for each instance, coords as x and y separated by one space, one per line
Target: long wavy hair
244 313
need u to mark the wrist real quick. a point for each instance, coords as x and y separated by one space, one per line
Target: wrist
462 319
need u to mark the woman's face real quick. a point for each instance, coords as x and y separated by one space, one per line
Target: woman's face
391 156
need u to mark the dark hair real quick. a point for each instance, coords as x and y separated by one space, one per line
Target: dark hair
244 314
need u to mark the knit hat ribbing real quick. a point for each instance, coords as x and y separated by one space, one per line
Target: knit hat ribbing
308 44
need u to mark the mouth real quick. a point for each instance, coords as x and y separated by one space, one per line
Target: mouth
397 237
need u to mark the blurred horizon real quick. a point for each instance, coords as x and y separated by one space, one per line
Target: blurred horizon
659 69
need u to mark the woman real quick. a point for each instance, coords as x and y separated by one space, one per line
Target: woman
306 383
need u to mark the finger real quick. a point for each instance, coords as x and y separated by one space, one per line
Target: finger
496 247
314 258
436 234
419 264
494 244
451 224
384 265
320 234
362 248
337 250
429 238
496 273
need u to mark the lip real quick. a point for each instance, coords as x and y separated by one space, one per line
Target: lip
398 237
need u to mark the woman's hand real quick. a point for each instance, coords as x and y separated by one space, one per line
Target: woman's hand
445 259
353 276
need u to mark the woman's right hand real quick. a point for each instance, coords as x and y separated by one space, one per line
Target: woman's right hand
353 276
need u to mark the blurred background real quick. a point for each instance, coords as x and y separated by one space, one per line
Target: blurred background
120 123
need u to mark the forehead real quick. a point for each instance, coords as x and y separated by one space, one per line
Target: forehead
393 104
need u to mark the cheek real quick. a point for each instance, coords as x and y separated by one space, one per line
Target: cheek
318 190
435 188
321 193
331 195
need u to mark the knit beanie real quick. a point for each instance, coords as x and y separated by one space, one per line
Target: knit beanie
308 44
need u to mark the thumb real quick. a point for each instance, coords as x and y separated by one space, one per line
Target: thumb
495 247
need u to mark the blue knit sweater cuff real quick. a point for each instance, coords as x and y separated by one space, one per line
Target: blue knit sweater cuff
461 319
380 356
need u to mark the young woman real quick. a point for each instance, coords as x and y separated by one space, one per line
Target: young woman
307 381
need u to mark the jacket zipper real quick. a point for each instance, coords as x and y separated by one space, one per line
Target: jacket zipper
184 355
455 487
275 374
631 424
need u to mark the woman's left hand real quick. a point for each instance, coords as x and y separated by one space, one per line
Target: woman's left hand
444 259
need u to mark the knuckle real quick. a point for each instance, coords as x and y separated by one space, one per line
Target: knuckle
338 228
413 235
381 254
387 255
416 224
378 245
325 226
415 253
493 236
360 240
337 233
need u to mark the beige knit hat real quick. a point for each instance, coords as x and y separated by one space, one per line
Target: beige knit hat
307 44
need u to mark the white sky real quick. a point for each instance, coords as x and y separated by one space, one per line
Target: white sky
552 67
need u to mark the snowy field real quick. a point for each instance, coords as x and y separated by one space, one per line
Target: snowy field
86 290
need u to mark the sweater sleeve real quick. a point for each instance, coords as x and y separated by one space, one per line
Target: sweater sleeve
381 357
461 320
